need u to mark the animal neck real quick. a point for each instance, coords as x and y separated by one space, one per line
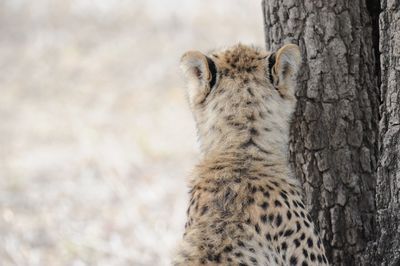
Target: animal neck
258 140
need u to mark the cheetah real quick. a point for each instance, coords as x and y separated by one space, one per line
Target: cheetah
245 206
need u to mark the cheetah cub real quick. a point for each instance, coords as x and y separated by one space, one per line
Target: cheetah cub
246 207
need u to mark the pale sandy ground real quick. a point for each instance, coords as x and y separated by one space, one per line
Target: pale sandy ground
96 139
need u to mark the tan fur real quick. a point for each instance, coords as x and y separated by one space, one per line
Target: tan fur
246 207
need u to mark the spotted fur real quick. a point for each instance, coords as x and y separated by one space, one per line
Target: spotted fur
245 208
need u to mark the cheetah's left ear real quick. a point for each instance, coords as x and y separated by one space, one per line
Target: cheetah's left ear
200 73
287 62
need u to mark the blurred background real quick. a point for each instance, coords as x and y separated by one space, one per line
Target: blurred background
96 138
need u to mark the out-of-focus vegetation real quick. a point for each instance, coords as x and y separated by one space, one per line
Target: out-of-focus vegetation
96 139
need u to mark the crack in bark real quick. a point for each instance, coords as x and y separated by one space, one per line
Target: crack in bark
374 9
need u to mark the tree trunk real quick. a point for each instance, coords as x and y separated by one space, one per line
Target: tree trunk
334 136
388 174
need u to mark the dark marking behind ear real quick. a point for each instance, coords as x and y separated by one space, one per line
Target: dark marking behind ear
213 71
271 63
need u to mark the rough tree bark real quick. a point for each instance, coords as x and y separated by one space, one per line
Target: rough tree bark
334 136
388 174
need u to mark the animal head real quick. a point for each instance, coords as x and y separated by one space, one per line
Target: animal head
241 92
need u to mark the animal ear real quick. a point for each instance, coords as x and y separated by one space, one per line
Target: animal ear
200 73
287 62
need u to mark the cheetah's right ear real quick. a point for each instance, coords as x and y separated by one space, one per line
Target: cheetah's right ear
286 62
200 73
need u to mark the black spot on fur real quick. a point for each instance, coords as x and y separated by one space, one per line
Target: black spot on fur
288 233
298 226
310 243
265 205
253 132
271 217
283 195
239 254
270 188
306 224
228 248
263 218
250 201
257 227
275 183
251 117
217 167
293 260
305 253
278 203
287 203
204 209
257 159
289 215
278 220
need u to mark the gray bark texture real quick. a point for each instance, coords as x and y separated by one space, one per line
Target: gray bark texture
335 130
388 172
